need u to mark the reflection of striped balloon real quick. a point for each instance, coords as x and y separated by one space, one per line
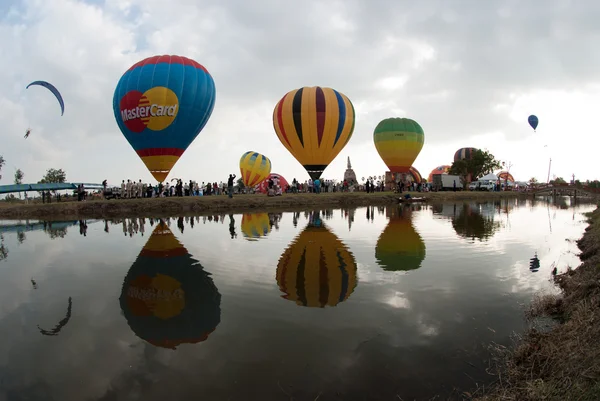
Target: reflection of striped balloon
399 247
167 297
254 168
314 124
317 269
256 225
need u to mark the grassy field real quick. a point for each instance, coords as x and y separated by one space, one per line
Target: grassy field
222 204
563 363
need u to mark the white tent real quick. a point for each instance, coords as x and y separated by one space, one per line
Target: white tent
489 177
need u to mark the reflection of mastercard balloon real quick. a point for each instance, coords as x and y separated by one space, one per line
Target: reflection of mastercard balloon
399 247
256 225
167 297
317 269
161 104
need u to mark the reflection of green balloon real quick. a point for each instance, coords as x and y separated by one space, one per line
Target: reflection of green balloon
399 247
167 297
471 224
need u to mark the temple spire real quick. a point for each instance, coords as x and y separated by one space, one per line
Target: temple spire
349 165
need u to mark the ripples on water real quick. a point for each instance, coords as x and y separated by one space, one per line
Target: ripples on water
366 303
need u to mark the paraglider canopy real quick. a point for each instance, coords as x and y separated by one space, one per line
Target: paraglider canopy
52 89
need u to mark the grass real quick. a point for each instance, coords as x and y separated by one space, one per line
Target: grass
564 362
99 208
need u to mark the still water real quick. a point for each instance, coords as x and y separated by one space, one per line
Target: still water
380 303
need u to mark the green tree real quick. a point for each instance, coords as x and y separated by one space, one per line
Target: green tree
482 163
533 181
2 162
54 176
19 174
558 180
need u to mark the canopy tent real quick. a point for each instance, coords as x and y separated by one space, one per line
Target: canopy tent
489 177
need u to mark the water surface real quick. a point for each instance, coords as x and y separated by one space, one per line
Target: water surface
359 304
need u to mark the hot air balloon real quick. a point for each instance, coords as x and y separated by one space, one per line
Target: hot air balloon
416 176
167 297
255 225
533 121
263 187
317 269
54 91
506 176
464 154
398 141
254 168
314 124
399 247
161 104
443 169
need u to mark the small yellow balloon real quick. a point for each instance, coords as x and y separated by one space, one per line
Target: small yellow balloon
254 168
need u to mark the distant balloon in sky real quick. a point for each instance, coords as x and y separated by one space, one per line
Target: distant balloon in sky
54 91
254 168
161 104
314 124
398 141
533 121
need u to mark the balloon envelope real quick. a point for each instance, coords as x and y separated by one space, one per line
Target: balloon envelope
443 169
416 175
314 124
317 269
464 154
506 176
255 225
254 168
533 121
398 141
399 247
54 91
161 104
263 187
167 297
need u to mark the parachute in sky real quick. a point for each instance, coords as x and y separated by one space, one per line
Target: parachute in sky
167 297
399 247
398 141
161 104
254 168
533 121
314 124
255 225
54 91
317 269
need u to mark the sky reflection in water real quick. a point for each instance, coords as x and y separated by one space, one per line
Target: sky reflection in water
372 301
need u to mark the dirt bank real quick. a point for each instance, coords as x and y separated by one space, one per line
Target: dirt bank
222 204
564 362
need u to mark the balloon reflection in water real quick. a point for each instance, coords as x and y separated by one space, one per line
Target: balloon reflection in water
167 297
399 247
255 225
317 269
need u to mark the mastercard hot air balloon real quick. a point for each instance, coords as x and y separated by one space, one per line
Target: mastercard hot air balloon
161 104
317 269
167 297
254 168
399 247
255 225
314 124
398 141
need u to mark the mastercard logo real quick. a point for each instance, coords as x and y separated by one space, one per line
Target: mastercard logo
155 109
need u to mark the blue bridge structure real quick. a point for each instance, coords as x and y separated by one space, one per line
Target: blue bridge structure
50 186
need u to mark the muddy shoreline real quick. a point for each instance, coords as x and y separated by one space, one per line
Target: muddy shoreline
561 363
238 204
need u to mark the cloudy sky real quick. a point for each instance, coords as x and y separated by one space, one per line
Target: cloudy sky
470 72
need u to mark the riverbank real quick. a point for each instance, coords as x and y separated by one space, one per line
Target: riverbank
222 204
564 362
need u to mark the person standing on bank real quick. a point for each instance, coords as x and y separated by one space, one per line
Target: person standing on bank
230 185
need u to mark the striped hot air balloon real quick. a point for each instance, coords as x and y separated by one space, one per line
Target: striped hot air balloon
254 168
167 297
255 225
464 154
317 269
399 247
314 124
398 141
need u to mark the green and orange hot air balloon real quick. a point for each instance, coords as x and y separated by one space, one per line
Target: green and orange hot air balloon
398 141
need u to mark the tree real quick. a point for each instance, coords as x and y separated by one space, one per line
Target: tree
482 163
2 162
19 174
54 176
533 181
558 180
